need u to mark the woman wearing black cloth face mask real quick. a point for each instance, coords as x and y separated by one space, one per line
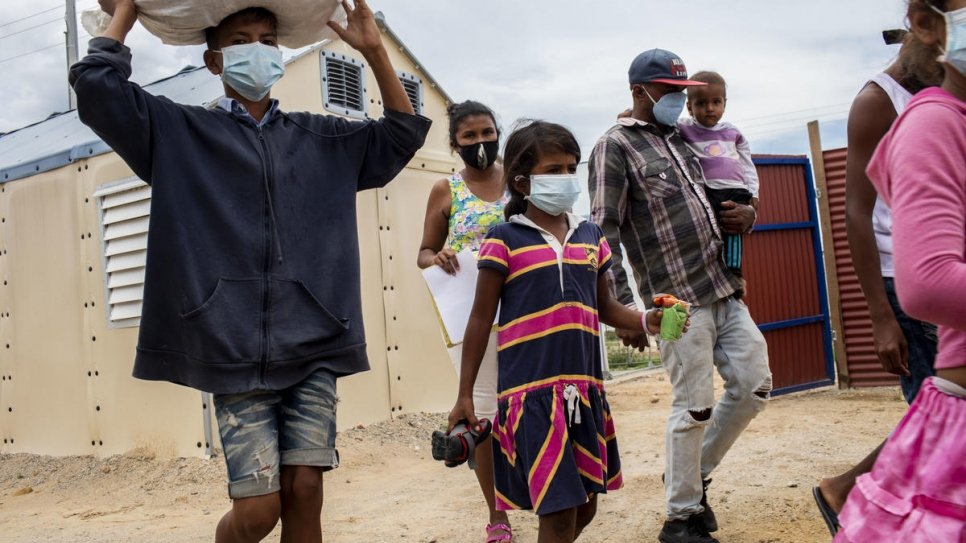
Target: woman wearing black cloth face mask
461 209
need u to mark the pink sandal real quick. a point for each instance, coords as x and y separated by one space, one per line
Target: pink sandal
494 535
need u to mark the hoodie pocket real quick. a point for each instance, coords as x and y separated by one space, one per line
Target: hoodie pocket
299 325
226 326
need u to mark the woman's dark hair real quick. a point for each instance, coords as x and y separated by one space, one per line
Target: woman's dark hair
247 15
528 141
462 110
918 66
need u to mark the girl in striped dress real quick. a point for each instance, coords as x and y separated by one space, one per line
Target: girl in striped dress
555 447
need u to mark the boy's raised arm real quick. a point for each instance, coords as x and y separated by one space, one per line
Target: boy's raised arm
118 111
124 14
362 34
394 139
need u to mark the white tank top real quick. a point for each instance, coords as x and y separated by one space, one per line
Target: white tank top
881 215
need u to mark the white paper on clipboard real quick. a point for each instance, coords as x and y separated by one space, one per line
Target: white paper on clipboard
453 296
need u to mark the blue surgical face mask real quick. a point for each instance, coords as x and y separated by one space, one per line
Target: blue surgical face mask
668 109
252 68
955 52
554 194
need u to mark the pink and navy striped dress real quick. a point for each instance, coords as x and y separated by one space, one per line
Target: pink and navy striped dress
555 440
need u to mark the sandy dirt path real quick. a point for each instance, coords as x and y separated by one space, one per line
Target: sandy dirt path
389 489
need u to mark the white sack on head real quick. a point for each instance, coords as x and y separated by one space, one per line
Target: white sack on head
183 22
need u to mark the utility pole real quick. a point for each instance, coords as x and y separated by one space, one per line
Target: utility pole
71 34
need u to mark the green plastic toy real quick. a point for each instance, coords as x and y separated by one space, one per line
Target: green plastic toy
672 323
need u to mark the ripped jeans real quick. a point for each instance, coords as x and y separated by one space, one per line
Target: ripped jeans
700 431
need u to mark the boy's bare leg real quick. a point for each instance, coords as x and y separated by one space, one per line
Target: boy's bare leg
249 520
559 527
301 504
836 489
484 474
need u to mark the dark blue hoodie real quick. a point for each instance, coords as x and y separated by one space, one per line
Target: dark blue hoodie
252 278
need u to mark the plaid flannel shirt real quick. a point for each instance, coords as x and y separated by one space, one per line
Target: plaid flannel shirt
647 190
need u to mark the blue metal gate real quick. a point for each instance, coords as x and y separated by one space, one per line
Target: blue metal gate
784 268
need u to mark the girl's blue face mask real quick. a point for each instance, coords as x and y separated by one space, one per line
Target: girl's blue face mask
251 69
668 109
554 194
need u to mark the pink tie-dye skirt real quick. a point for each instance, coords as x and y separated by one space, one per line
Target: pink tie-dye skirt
916 492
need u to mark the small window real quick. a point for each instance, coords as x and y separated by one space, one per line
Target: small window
343 85
414 89
125 211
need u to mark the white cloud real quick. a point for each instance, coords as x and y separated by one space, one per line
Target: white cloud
564 60
567 61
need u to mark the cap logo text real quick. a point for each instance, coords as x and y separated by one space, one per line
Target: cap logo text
678 69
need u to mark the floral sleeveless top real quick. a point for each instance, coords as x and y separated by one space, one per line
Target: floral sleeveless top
470 217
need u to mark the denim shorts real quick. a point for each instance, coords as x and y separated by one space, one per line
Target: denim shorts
263 430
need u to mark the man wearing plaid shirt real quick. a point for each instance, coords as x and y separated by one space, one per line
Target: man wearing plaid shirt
647 190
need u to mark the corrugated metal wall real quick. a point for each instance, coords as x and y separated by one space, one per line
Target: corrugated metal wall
786 279
861 361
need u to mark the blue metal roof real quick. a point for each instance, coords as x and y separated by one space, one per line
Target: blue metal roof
63 139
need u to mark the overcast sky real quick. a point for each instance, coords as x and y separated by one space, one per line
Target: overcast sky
561 60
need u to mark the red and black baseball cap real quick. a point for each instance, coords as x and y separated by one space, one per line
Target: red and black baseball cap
660 66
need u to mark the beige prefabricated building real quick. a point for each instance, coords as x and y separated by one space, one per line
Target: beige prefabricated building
72 244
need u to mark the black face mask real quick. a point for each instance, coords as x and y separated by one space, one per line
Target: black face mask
480 155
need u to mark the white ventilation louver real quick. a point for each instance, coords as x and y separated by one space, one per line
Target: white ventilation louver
125 212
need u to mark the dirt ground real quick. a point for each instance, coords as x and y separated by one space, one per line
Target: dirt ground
389 489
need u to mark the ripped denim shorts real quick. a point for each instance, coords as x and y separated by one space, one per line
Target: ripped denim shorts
263 430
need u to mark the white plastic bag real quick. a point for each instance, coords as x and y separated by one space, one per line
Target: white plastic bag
183 22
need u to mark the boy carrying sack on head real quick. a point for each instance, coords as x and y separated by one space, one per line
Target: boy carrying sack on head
252 279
